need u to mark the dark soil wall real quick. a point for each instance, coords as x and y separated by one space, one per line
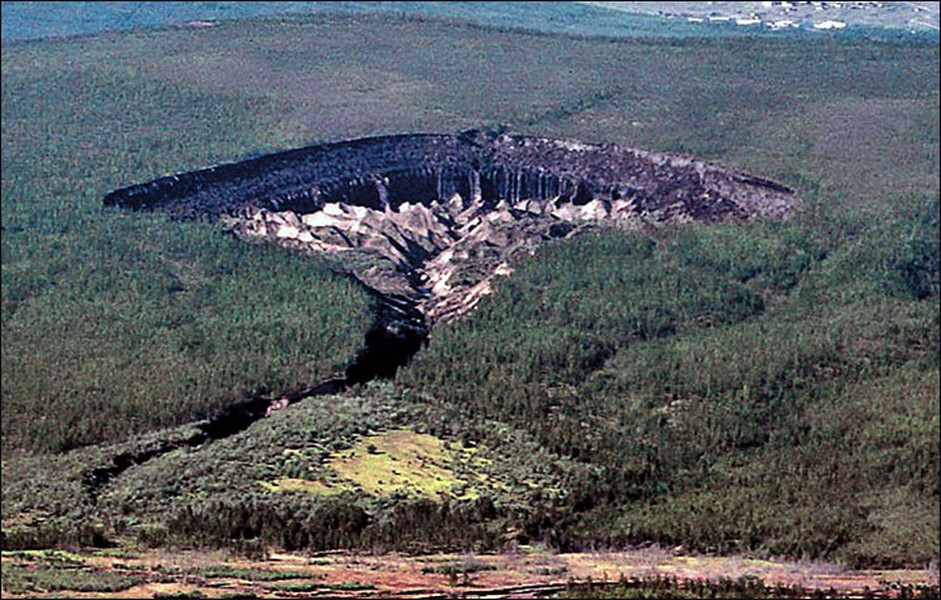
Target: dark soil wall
386 171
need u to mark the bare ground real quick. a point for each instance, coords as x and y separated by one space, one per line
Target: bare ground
524 573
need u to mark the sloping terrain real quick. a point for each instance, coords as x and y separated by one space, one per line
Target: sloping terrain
763 387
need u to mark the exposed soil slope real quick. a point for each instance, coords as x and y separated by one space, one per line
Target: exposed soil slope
431 219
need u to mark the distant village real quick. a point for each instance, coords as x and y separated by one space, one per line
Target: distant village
821 16
799 10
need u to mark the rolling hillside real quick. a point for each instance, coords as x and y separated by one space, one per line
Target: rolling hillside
767 388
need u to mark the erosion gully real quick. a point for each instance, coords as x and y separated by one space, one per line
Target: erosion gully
399 330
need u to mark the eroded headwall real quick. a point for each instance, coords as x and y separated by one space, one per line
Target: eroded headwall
434 218
389 170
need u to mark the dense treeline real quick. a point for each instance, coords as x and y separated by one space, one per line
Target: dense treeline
116 324
692 390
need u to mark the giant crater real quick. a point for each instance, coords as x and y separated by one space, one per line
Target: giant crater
428 220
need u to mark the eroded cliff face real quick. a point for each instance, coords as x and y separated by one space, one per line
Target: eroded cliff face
442 256
430 220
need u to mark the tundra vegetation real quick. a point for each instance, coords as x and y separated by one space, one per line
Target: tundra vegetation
766 388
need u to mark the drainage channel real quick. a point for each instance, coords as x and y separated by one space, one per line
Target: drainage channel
398 332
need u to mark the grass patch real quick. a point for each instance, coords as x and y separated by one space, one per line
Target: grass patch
49 557
407 463
41 571
469 565
248 573
310 586
290 484
296 586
